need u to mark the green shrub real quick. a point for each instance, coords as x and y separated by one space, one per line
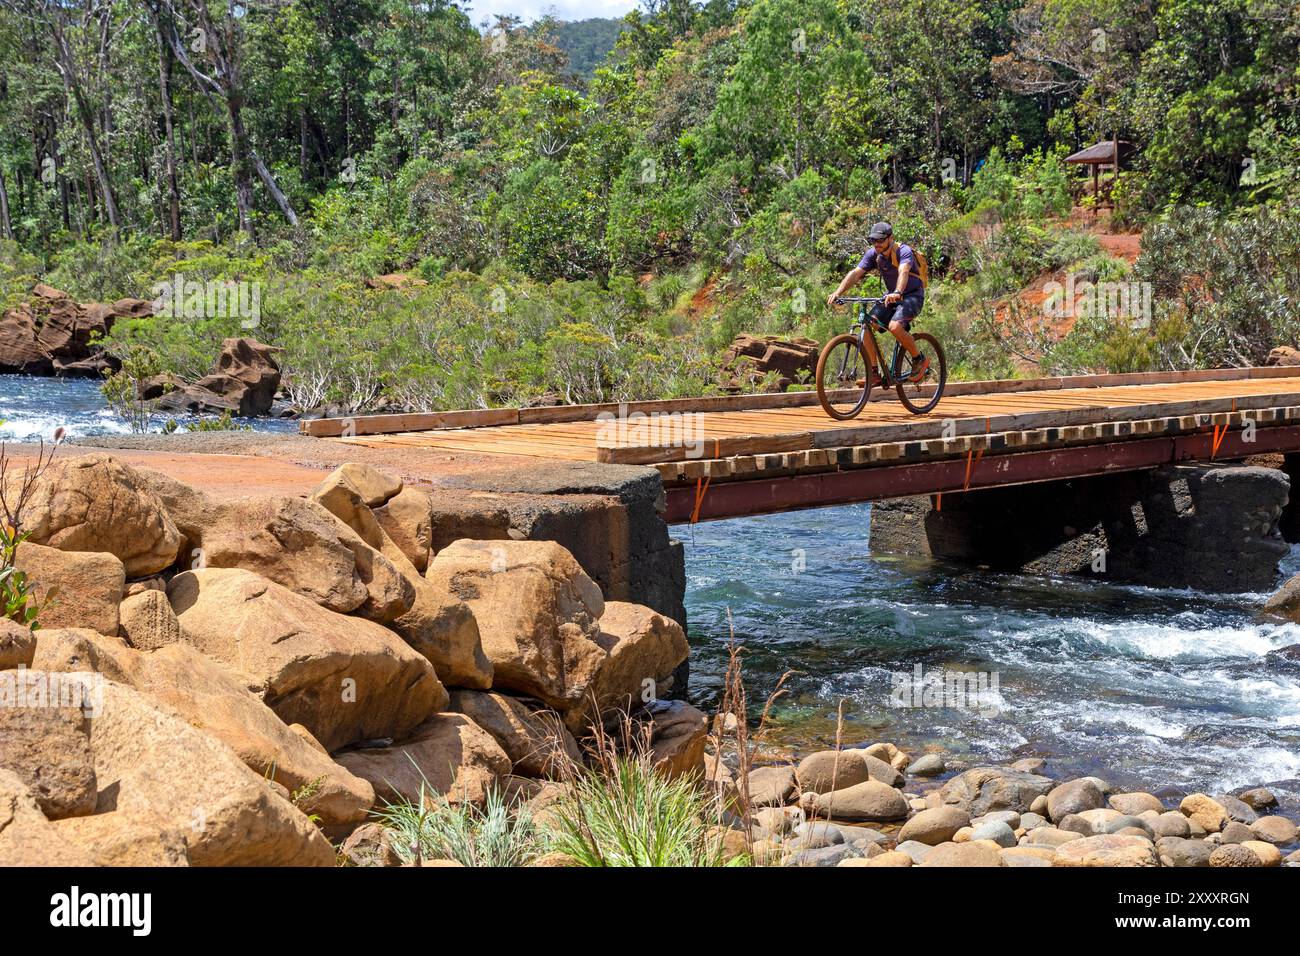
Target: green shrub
432 828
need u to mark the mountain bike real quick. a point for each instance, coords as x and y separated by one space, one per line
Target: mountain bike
844 368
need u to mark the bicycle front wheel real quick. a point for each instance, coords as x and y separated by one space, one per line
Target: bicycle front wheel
921 396
843 385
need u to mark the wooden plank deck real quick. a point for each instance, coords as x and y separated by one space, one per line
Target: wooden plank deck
716 432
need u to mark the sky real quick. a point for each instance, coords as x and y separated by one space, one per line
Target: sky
530 10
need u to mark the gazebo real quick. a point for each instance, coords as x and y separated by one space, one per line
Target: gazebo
1109 152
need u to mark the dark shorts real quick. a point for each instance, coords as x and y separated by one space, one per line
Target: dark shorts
903 311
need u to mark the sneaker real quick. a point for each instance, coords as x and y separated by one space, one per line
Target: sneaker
875 380
919 370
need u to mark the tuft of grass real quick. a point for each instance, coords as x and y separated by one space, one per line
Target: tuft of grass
433 828
622 811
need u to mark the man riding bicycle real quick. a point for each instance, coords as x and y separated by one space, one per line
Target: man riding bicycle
898 270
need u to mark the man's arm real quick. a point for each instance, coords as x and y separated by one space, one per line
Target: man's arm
847 283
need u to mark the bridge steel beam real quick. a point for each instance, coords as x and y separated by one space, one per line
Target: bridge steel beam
738 498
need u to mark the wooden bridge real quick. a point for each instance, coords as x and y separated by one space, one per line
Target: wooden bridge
727 456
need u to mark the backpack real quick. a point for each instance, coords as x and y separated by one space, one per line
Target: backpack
922 263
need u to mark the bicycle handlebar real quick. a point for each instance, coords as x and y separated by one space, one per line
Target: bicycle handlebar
855 298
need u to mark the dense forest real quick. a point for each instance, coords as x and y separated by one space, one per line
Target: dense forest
571 233
585 42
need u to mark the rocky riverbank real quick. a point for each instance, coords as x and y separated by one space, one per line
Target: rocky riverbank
878 806
242 681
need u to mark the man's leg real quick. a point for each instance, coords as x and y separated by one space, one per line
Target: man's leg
899 328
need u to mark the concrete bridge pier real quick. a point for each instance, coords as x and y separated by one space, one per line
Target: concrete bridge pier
1209 527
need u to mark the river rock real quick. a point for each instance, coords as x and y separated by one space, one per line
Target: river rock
1204 811
166 775
1237 810
371 845
1176 851
209 698
1108 850
890 859
87 586
96 503
1032 821
538 614
1074 796
983 789
935 826
1026 856
828 770
1236 832
1171 823
48 748
927 765
1268 854
17 645
914 850
535 739
963 854
407 518
770 786
997 831
1133 804
1234 855
343 678
1261 798
27 838
1121 823
1278 830
777 821
870 801
1089 822
1051 836
448 754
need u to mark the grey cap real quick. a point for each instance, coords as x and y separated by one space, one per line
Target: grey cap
881 230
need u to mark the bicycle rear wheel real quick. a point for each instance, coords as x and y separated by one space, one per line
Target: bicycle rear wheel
916 396
841 366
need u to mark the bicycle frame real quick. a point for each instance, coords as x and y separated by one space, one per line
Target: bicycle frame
865 325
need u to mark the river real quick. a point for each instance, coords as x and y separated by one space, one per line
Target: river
1146 688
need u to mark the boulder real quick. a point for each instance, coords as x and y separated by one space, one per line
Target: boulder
1268 854
343 678
27 838
678 734
1171 823
86 586
147 621
1234 855
1107 850
17 645
371 844
407 518
48 748
291 541
1133 804
869 801
1178 851
20 352
934 826
927 765
1260 798
535 739
96 503
440 627
208 697
117 839
538 615
157 771
643 649
981 790
1277 830
247 374
448 754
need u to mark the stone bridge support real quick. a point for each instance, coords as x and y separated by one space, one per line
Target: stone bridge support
1209 527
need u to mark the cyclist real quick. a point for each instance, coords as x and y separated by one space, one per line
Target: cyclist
898 270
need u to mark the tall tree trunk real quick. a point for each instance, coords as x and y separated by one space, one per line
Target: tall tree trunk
165 92
6 226
72 81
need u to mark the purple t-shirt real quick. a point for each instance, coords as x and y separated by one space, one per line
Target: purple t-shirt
889 273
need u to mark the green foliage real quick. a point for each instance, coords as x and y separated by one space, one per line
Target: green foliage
432 828
627 814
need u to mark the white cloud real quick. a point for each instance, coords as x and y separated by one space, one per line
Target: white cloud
530 10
